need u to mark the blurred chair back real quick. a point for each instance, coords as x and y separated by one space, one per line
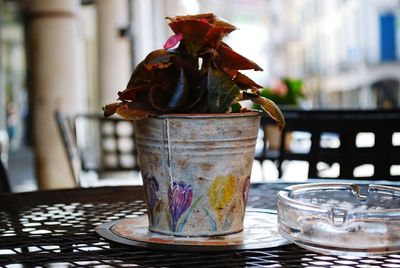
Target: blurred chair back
4 181
350 139
104 147
66 129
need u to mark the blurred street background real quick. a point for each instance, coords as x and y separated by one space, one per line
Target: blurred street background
74 55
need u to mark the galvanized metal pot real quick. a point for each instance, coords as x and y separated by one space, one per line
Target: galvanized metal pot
196 171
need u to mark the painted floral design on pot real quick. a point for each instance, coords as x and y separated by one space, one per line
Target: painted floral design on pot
222 199
202 186
180 198
151 194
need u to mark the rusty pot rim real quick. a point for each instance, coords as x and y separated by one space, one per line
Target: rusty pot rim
208 115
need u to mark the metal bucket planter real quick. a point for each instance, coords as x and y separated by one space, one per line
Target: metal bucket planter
196 171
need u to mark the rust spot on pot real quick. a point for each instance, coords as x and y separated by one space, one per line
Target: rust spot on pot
183 162
238 132
209 143
176 125
156 157
233 207
160 206
207 166
144 130
201 179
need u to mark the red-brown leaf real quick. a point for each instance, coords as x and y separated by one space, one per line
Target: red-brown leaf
207 16
232 73
215 34
171 91
232 60
129 112
220 29
219 22
130 94
194 30
158 59
245 82
272 110
111 109
140 76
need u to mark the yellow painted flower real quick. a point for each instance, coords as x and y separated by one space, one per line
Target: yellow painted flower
221 193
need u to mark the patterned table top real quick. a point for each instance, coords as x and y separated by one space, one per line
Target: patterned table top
56 228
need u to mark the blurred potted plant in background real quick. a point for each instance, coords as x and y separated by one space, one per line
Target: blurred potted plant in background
195 142
287 93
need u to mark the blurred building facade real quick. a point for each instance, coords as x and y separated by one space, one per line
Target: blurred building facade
12 79
64 55
347 51
70 56
74 55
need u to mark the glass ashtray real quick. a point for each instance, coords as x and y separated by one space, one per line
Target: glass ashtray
341 218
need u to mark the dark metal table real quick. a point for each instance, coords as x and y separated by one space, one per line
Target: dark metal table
56 229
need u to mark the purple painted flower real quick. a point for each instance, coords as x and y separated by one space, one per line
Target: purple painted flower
150 191
179 198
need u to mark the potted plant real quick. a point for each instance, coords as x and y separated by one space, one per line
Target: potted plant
195 142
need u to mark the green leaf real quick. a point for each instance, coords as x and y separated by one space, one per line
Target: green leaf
221 91
236 107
